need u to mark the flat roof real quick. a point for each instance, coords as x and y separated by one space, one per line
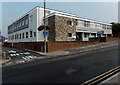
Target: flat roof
76 17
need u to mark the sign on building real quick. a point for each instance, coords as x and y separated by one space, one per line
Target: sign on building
45 32
100 32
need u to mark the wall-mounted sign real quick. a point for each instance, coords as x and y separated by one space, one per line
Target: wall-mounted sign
45 32
0 37
100 32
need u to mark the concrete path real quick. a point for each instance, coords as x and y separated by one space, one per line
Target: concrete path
115 79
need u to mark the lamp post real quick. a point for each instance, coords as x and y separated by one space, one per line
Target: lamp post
44 26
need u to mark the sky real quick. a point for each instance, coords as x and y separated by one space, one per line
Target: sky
100 11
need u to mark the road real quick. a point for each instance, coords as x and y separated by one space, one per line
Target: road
76 68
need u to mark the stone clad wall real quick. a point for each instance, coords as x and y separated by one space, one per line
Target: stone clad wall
62 29
51 36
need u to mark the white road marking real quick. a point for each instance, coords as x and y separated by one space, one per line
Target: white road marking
24 58
26 53
11 51
11 54
21 53
17 54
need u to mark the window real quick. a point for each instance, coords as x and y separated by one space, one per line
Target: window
9 37
12 37
15 37
69 34
69 23
47 12
13 27
19 24
81 23
109 27
95 25
26 34
20 36
104 26
86 35
87 23
30 33
22 23
100 26
34 34
92 25
23 35
77 22
26 21
31 18
16 25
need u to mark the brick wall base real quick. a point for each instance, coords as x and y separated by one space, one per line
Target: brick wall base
37 46
53 46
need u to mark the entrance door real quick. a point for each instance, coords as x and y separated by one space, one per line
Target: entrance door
78 36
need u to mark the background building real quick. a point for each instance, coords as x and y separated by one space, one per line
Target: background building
66 27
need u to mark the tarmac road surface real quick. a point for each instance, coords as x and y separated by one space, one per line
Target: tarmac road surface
76 68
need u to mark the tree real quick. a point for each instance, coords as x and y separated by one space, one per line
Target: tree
115 27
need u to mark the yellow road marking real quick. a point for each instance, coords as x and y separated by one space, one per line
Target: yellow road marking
99 75
103 77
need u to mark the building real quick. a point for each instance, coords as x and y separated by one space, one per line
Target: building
3 39
66 27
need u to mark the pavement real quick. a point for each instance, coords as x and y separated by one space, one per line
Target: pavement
76 68
112 80
2 61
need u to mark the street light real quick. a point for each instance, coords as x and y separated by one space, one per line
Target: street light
44 26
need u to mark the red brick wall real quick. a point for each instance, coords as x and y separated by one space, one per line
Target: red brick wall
54 46
116 34
26 45
112 39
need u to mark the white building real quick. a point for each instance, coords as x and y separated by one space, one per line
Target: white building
25 29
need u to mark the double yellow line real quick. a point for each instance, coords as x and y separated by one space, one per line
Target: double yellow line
102 76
